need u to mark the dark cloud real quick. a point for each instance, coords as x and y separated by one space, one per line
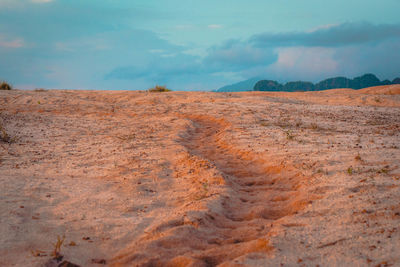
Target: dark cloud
236 55
332 36
348 49
382 59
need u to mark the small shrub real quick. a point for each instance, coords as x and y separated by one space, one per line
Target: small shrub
350 170
159 89
5 86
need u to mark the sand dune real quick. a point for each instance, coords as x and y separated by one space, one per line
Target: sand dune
201 179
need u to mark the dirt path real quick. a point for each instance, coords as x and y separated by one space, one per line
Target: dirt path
257 195
238 221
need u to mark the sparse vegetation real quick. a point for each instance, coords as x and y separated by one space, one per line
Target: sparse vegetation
350 170
299 123
383 171
38 253
4 137
289 135
314 126
57 247
204 192
159 89
205 187
5 86
72 244
129 137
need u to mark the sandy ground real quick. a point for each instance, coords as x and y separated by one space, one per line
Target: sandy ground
201 179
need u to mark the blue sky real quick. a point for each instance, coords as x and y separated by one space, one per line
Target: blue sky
194 45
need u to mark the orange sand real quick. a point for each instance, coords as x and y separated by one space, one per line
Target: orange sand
201 179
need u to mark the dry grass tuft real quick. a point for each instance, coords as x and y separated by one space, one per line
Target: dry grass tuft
289 135
159 89
5 86
350 170
57 247
4 136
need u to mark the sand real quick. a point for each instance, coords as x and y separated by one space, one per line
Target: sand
134 178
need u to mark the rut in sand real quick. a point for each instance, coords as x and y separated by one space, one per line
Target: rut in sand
237 222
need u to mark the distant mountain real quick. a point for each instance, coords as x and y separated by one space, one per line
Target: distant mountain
337 82
396 81
268 85
366 80
246 85
387 82
299 86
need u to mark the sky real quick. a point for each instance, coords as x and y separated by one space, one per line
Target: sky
194 44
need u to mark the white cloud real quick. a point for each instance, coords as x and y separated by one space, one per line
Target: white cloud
156 51
21 3
304 62
41 1
8 3
169 55
16 43
184 27
214 26
83 43
322 27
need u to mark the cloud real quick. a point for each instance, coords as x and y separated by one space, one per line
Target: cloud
21 3
184 27
382 59
41 1
214 26
16 43
303 63
327 50
107 54
293 59
160 68
330 36
237 55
